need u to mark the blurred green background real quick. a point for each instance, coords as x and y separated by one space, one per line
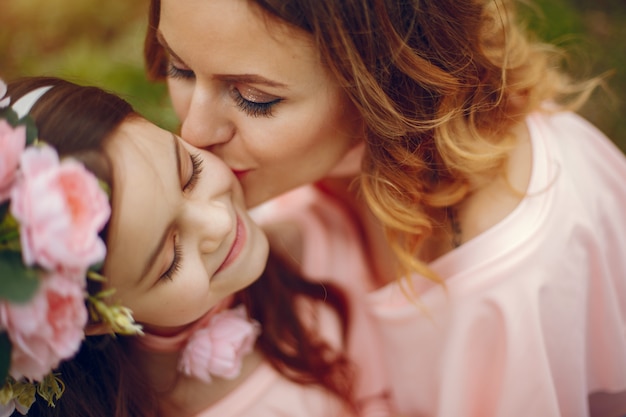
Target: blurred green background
96 42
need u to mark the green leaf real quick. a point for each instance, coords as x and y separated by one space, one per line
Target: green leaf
9 115
5 357
17 282
8 222
31 129
9 231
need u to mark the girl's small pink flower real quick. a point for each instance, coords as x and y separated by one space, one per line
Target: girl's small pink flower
61 208
12 143
47 329
219 348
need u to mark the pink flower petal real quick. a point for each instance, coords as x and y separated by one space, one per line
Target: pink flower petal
61 208
45 330
219 348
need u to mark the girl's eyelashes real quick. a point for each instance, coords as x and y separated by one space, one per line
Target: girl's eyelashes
176 263
196 170
253 108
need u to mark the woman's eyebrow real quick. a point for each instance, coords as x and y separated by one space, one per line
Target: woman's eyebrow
242 78
251 79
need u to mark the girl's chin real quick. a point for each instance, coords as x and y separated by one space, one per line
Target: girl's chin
165 331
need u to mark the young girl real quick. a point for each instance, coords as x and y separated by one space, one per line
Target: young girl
451 181
183 255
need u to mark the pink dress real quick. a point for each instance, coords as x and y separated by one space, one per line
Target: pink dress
534 315
266 393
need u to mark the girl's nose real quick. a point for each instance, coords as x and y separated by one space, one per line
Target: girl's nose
211 222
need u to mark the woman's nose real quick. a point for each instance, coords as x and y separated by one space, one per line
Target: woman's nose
206 123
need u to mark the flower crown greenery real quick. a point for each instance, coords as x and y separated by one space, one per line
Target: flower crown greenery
51 213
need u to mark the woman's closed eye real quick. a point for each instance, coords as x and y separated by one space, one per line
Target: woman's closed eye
252 103
179 73
255 104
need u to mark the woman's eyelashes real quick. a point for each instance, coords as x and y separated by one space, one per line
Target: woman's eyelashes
179 73
254 108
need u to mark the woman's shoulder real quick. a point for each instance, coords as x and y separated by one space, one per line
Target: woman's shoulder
580 155
572 134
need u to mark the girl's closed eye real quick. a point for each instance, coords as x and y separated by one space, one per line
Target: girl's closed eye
176 263
196 170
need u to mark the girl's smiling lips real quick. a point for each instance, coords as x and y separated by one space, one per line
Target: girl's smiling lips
238 244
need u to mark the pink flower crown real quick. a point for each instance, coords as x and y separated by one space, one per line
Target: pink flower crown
51 213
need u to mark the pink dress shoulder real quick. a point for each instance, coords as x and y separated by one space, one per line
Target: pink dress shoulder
533 315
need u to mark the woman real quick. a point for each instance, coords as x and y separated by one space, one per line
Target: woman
183 255
449 180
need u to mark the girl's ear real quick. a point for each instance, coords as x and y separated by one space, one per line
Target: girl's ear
98 329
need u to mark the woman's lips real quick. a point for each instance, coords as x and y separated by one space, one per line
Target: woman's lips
235 249
240 174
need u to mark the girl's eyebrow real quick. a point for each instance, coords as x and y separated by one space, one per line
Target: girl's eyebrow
159 247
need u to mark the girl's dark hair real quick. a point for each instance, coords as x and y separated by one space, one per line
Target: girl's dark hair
103 380
288 340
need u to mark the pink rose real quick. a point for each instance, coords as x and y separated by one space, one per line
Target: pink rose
47 329
61 208
12 143
219 348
